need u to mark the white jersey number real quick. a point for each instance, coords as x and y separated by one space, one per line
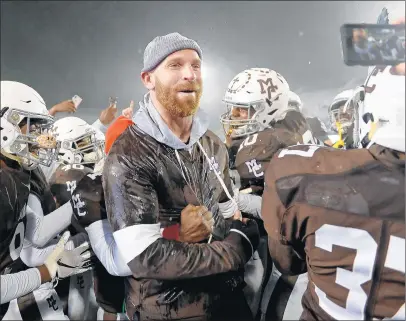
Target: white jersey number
308 138
304 153
363 266
250 140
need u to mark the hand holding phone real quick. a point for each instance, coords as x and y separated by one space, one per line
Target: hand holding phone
76 100
113 101
373 44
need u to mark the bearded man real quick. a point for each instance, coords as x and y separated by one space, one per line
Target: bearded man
169 199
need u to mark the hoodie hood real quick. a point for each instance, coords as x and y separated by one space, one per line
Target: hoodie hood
148 119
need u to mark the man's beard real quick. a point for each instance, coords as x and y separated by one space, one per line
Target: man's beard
183 107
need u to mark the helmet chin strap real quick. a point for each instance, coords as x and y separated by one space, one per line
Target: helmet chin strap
11 156
340 142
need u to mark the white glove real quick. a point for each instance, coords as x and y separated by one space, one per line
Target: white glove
75 261
51 261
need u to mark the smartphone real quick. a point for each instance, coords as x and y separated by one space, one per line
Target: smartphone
76 100
113 100
373 44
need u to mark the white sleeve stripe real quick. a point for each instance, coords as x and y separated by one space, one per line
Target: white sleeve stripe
133 240
245 236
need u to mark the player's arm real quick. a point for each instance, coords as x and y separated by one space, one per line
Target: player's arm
281 225
106 249
89 212
249 203
100 126
15 285
34 256
41 229
132 210
228 207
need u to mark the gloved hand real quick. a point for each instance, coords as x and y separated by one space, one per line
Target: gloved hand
76 261
51 261
244 234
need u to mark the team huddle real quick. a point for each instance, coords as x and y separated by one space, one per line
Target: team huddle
158 219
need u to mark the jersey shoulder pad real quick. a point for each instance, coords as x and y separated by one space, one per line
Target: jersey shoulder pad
88 200
259 146
257 150
315 159
65 180
66 173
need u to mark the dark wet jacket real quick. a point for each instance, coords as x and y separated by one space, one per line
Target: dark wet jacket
149 177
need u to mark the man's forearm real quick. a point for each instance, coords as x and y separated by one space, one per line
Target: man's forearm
168 260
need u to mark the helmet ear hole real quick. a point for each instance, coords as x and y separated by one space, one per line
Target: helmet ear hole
367 117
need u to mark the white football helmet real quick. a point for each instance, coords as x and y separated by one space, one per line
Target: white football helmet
255 98
25 126
80 142
339 113
295 102
382 110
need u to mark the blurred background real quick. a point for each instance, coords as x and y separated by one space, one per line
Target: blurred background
95 49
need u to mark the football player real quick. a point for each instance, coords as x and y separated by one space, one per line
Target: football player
342 116
339 214
25 144
317 127
78 181
258 108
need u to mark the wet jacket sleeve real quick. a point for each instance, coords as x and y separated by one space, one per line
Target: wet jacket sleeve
132 209
282 227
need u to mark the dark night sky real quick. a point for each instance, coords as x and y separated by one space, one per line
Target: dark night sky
94 48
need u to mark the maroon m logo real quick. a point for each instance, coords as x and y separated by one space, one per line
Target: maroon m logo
267 86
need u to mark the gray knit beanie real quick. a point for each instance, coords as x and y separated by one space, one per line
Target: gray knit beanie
161 47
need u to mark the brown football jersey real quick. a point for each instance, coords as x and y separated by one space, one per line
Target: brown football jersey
340 216
64 181
256 150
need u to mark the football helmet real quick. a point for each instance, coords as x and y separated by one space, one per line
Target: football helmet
382 110
295 102
340 120
25 126
255 98
80 143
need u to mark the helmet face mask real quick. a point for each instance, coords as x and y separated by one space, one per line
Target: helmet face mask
81 144
83 150
239 120
341 112
254 99
26 136
342 115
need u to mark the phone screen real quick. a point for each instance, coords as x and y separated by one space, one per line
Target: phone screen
76 100
373 44
113 100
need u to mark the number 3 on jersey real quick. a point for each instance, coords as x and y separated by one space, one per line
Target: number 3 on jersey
362 270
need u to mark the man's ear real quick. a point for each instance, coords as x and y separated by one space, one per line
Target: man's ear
147 80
